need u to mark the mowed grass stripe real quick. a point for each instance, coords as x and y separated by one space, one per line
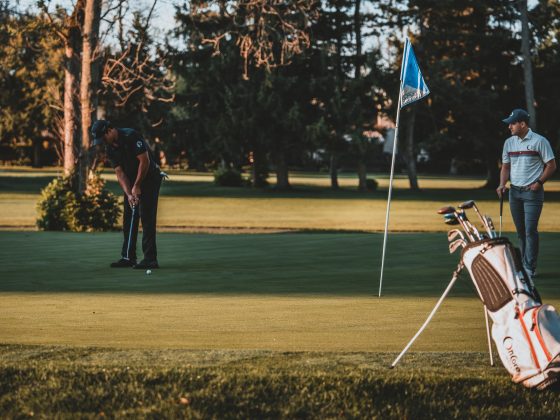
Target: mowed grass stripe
193 202
239 322
278 291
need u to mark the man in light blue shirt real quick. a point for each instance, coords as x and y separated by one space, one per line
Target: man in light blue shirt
527 162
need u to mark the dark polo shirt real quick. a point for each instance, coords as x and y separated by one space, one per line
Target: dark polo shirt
129 145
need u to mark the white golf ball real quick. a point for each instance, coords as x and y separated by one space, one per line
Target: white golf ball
148 272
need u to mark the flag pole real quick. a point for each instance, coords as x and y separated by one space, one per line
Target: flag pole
390 189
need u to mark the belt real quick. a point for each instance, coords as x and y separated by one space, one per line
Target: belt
525 188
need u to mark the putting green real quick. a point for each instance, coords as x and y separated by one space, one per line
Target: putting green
272 292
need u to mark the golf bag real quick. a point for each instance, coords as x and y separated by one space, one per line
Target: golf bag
525 332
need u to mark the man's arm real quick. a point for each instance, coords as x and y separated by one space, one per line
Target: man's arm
549 169
125 185
142 171
504 178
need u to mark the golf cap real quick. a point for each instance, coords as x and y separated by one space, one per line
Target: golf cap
98 130
516 116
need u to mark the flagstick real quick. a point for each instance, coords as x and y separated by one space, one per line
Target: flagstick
390 190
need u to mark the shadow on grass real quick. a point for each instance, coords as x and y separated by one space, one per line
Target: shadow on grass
333 264
33 185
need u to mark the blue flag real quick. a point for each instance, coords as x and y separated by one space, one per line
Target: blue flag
413 87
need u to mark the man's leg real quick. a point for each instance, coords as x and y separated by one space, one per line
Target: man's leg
533 204
517 209
148 213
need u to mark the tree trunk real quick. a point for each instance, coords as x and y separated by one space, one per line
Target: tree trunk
527 65
358 35
88 89
72 146
282 175
334 171
362 175
409 153
37 144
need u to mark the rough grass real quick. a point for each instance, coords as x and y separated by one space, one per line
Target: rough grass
67 382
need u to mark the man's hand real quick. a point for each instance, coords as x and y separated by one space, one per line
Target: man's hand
136 192
133 201
535 186
501 190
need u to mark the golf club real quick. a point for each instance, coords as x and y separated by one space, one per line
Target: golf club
451 210
454 246
491 225
468 223
501 211
453 233
471 204
130 232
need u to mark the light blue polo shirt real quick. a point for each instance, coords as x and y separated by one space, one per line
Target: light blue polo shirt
527 157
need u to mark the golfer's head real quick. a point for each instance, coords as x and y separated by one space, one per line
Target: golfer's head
99 131
517 121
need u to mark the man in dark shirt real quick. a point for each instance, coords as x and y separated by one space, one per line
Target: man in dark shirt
140 178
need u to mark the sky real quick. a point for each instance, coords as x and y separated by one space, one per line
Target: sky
162 19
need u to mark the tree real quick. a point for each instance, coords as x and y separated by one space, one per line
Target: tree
30 64
527 64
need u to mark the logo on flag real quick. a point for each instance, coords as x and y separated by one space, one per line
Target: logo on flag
413 87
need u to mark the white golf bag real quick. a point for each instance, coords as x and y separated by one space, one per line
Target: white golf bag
525 332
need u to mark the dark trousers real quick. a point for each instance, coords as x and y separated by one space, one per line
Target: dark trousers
526 207
147 213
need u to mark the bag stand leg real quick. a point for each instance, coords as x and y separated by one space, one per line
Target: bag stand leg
438 304
488 336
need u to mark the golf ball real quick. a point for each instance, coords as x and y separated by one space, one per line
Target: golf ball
148 272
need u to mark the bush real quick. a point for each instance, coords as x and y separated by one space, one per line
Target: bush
62 208
371 184
228 177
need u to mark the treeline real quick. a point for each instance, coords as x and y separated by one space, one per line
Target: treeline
266 86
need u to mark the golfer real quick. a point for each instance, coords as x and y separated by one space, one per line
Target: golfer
527 162
140 178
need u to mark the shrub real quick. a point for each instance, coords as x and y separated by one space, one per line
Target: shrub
371 184
228 177
62 208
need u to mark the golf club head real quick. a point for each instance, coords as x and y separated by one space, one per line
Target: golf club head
453 234
451 222
467 205
454 246
446 210
490 222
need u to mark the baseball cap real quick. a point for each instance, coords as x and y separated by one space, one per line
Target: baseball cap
516 116
98 130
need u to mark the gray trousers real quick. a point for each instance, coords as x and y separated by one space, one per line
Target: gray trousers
526 207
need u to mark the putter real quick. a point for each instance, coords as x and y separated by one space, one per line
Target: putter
130 232
501 212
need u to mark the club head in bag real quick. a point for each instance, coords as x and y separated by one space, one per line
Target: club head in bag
453 234
454 246
467 205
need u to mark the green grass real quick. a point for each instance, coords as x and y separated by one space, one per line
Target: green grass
255 325
191 202
95 382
